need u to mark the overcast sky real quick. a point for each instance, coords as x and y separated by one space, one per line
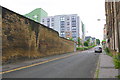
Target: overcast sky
88 10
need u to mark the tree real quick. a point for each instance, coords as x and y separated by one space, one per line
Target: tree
71 39
88 40
86 43
97 41
79 41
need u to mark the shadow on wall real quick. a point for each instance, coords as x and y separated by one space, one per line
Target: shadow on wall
25 39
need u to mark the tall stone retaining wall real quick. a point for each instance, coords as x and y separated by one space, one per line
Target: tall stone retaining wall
24 38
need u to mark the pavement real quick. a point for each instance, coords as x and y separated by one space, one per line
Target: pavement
73 65
106 67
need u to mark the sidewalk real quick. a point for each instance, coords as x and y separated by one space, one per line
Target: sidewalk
106 67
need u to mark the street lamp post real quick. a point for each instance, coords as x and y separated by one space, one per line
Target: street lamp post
104 34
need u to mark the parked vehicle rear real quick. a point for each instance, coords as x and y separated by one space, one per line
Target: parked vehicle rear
98 49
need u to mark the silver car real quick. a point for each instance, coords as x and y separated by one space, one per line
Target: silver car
98 49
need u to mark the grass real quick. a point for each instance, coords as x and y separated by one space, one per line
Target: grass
80 48
97 72
118 76
116 58
108 52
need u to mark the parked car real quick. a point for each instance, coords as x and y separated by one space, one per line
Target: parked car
98 49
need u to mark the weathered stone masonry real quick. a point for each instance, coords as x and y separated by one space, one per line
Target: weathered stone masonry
25 38
113 24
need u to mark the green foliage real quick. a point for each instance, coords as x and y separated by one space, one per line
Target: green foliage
98 41
90 46
80 48
88 40
86 43
107 50
116 60
118 76
79 41
85 48
71 39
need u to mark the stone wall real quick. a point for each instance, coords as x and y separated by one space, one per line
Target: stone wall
24 38
112 21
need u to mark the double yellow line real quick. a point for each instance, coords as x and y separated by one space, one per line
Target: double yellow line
37 63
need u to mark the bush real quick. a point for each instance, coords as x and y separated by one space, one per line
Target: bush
118 76
117 61
86 48
80 48
107 50
86 43
90 46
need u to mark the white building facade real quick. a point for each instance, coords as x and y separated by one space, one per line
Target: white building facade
68 26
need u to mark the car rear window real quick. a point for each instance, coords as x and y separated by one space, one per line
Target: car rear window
98 48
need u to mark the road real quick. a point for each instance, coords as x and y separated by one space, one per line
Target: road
81 65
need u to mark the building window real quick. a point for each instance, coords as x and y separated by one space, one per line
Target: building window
43 20
74 28
74 36
52 24
68 23
62 19
62 34
68 29
48 20
62 26
35 16
67 33
52 19
74 32
73 18
68 19
74 23
62 23
62 29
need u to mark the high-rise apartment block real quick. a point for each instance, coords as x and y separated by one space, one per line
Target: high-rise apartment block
68 26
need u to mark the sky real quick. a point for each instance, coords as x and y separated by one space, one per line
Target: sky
88 10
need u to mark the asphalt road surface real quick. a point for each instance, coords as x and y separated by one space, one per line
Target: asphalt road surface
81 65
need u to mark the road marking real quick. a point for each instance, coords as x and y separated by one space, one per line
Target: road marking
96 74
37 63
